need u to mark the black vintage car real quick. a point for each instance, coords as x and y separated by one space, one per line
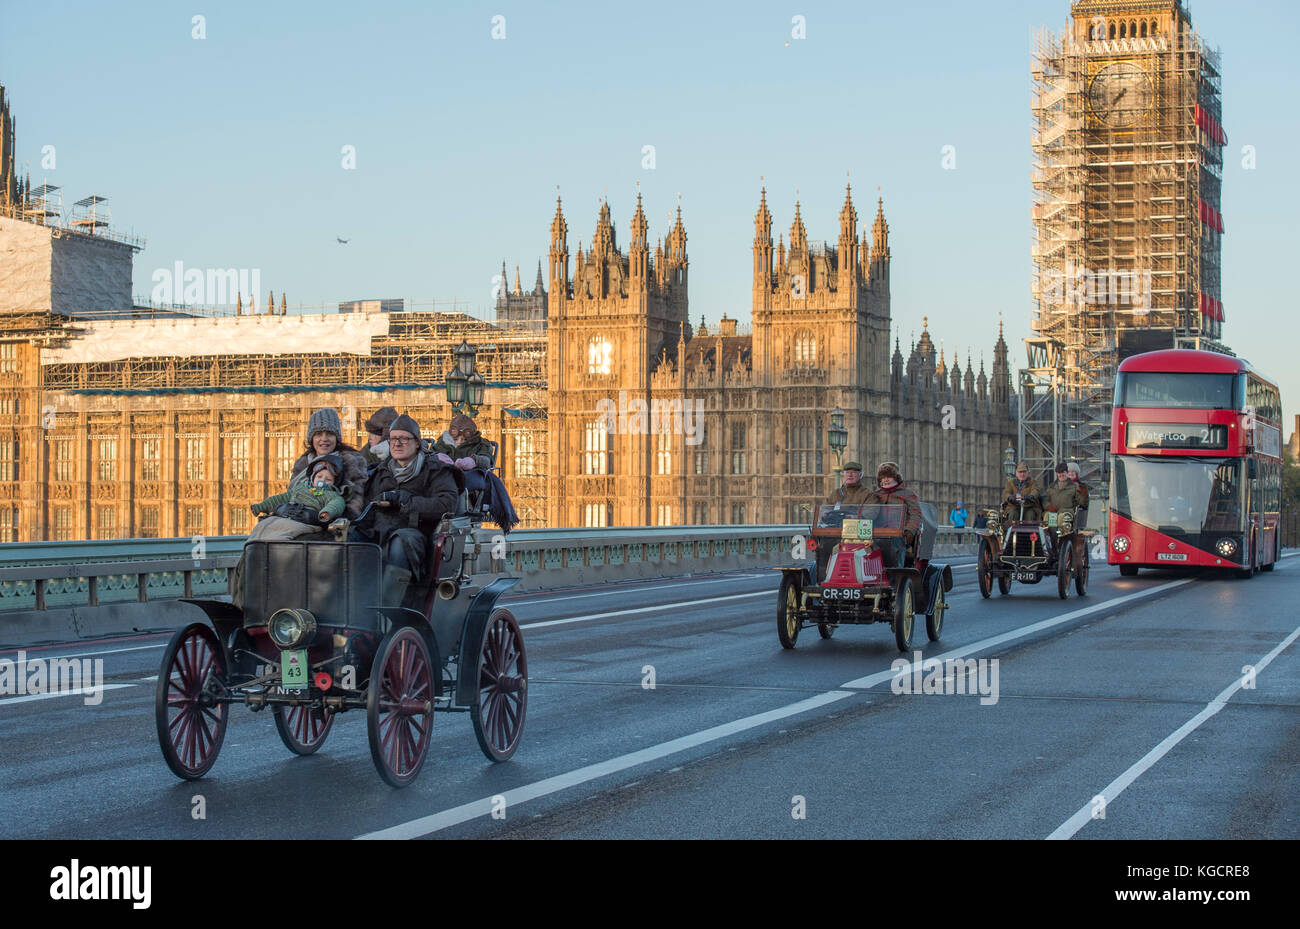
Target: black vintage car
1028 551
313 640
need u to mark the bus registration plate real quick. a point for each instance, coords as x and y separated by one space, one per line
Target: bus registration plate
1171 556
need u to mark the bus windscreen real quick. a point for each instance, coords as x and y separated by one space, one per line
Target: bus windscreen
1181 498
1186 391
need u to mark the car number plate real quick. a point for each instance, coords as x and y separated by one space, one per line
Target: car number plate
293 668
842 593
856 529
1023 575
1167 556
1051 519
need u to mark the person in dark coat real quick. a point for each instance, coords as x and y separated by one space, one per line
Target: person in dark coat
413 491
377 425
325 436
1021 489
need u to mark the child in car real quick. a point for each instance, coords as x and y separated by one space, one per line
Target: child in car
315 502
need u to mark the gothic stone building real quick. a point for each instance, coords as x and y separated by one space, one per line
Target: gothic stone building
618 339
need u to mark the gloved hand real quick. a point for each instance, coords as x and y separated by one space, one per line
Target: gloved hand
396 499
465 464
444 458
324 516
909 537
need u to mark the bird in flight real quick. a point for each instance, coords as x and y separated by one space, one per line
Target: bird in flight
343 241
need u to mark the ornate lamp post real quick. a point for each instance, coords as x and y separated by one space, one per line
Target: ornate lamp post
1009 461
465 386
838 437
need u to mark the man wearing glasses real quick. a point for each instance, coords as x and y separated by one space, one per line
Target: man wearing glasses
412 493
1021 489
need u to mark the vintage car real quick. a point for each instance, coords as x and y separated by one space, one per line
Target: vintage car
1028 551
313 640
864 575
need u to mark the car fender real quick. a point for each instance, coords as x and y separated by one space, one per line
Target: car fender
935 574
476 618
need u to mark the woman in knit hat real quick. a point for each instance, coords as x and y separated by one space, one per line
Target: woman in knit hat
324 437
463 445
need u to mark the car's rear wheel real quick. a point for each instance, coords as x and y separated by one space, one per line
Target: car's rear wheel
399 706
1064 558
1081 571
191 725
1004 584
303 729
787 611
934 619
498 712
904 614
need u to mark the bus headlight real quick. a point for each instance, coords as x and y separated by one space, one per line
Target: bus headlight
291 628
1226 547
1120 544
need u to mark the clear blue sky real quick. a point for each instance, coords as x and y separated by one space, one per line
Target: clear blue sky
225 152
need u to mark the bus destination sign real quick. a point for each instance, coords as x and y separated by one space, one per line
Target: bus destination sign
1177 435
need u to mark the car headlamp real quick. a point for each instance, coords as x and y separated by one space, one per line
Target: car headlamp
1226 547
291 628
1120 544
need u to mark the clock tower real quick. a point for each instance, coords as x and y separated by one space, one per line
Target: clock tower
1128 167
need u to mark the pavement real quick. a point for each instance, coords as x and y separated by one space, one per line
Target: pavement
668 709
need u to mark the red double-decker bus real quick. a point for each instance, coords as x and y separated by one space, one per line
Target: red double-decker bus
1196 464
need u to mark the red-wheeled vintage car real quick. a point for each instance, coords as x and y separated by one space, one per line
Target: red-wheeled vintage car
864 574
313 640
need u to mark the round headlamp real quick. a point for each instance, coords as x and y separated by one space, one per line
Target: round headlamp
1120 543
1226 547
291 628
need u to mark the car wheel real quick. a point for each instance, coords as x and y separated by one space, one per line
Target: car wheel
984 569
787 611
904 614
1063 559
934 618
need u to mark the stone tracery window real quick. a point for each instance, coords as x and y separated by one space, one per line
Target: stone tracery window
805 349
599 352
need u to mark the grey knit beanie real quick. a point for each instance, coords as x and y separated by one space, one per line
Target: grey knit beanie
404 423
325 420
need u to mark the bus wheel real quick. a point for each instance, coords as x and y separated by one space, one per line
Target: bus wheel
1128 570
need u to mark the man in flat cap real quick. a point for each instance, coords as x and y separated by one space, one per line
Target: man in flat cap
1021 489
852 491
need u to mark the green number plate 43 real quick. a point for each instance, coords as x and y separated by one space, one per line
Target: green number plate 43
293 668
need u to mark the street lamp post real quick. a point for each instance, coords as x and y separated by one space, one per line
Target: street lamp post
465 386
1009 461
838 437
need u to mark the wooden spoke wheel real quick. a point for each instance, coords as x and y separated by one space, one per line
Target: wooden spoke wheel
498 713
1004 584
904 614
303 729
191 724
934 619
1081 571
399 706
1064 558
787 612
984 570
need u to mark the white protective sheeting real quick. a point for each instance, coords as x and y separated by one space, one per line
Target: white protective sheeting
24 267
115 340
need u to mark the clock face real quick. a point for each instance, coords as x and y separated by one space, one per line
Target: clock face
1121 94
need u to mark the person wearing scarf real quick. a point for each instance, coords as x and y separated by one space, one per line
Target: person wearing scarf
412 492
891 489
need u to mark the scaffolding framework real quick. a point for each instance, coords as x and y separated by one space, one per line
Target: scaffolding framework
1127 181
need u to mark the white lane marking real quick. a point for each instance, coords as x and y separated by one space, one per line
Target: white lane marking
63 693
145 680
633 590
643 609
879 677
1116 787
111 651
483 807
